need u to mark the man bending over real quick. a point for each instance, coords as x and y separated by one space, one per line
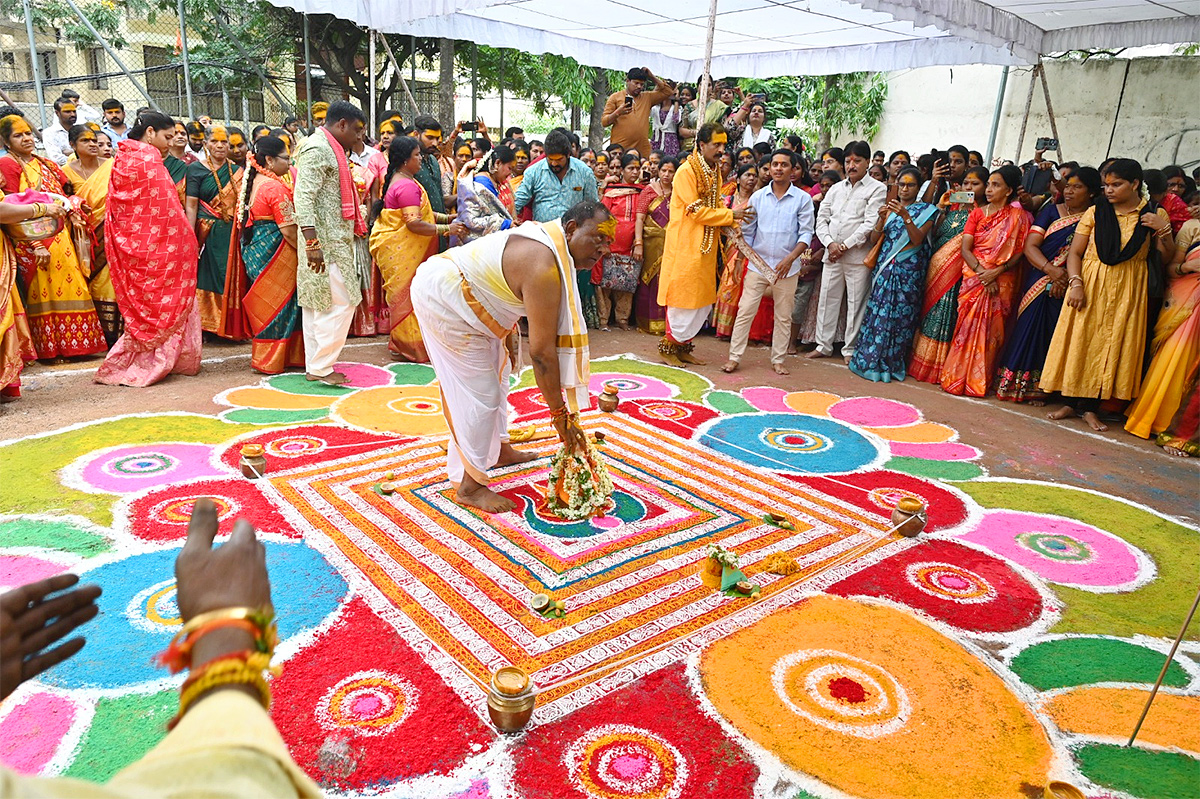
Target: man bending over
468 301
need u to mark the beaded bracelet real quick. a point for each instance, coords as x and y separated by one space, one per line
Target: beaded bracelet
262 621
313 243
561 412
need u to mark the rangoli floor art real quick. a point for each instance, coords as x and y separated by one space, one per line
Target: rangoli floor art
1013 642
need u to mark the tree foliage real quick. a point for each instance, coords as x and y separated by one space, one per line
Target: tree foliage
825 105
105 15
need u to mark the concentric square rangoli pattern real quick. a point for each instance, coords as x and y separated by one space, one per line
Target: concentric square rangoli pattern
456 584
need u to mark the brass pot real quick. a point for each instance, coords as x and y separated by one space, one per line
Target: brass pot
909 517
511 699
40 229
609 398
253 462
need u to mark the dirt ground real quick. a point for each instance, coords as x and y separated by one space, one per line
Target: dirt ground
1017 441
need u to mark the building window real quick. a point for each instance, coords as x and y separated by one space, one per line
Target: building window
97 66
8 66
47 62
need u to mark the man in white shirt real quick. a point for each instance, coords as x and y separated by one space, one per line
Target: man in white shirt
779 232
86 113
847 214
56 137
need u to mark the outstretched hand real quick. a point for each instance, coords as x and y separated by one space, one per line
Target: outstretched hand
231 575
573 437
31 621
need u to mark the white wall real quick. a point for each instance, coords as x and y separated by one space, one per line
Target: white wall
940 106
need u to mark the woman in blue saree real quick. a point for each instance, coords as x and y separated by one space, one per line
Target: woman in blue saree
898 286
1046 250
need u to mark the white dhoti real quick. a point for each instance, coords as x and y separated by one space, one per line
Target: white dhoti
325 331
472 367
467 311
683 324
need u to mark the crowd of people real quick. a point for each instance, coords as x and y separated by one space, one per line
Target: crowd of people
1035 282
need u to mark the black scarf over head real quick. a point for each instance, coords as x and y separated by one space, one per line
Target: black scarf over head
1108 234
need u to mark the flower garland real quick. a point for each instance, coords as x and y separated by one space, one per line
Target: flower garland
709 189
579 486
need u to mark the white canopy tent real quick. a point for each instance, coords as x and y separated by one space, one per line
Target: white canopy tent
766 38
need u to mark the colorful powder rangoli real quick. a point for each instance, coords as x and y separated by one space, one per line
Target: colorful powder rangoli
1012 643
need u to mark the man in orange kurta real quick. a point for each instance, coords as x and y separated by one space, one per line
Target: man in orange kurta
687 284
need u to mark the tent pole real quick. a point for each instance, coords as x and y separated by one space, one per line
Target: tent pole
1112 136
35 63
308 100
1025 118
137 84
284 105
474 82
707 78
371 72
187 69
387 48
412 75
1050 109
502 90
996 115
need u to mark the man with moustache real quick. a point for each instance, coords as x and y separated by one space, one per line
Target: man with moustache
848 212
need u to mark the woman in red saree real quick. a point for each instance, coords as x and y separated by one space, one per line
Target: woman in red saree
61 313
153 267
266 233
992 245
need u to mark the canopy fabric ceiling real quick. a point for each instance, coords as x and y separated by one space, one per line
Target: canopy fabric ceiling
765 38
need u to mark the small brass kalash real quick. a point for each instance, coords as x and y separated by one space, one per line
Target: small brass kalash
511 699
910 517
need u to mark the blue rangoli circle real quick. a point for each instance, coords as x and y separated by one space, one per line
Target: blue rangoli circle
792 443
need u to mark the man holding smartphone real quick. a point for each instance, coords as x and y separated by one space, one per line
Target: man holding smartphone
628 111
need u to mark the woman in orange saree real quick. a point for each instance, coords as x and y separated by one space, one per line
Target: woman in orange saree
266 232
992 246
939 311
61 314
1176 345
405 233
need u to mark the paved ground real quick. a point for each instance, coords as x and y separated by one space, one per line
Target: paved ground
1017 441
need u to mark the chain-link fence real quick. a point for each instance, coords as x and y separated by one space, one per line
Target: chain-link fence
138 58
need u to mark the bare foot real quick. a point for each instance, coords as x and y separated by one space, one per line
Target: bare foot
623 326
730 367
812 356
510 455
779 370
847 358
671 359
1094 421
474 495
1035 403
792 350
331 379
687 357
1176 451
1065 412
